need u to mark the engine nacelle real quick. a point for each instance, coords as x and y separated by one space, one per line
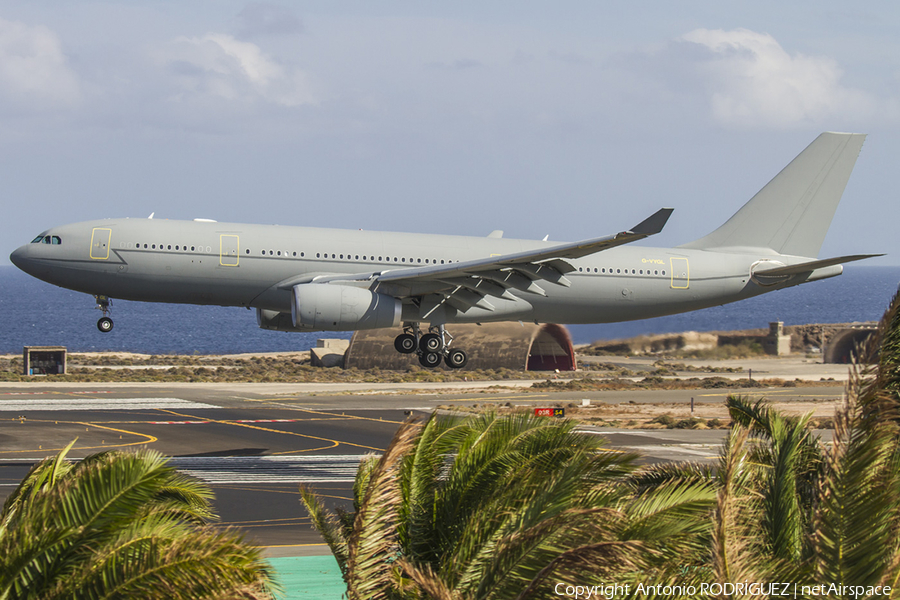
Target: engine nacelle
276 321
329 307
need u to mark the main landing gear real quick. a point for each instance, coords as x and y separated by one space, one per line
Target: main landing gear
431 347
105 324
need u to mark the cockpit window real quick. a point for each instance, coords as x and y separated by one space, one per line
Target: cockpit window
47 239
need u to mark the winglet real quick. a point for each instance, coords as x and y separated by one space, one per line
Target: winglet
654 223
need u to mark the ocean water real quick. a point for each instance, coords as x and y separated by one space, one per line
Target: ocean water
34 313
860 294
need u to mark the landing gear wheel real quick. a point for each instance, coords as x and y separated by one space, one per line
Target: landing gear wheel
431 342
456 359
405 343
429 360
105 324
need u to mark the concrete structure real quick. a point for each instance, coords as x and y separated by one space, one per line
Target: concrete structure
328 353
777 343
44 360
835 341
516 346
844 344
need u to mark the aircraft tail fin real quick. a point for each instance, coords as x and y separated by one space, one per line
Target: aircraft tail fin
792 213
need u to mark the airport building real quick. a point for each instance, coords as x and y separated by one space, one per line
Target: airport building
517 346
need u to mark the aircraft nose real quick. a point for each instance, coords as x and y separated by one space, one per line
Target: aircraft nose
19 257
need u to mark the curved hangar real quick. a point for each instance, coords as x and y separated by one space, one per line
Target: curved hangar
845 344
516 346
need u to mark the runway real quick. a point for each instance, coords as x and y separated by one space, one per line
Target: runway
255 447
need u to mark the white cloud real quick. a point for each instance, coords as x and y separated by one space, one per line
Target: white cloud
754 81
34 71
219 65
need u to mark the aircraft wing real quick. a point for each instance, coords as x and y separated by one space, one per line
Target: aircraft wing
649 226
466 284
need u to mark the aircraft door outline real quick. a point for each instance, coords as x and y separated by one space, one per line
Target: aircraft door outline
100 237
229 250
681 273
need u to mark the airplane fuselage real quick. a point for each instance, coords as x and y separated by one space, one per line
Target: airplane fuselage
230 264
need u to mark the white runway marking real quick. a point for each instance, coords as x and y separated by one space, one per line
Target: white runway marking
43 404
270 469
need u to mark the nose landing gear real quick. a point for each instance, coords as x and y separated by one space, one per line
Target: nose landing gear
431 347
105 324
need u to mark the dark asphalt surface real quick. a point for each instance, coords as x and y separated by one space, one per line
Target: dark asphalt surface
256 448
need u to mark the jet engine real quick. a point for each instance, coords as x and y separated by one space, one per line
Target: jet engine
329 307
276 321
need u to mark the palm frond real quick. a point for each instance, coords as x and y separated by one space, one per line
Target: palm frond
736 554
428 581
328 525
372 546
91 528
43 475
591 558
858 496
687 473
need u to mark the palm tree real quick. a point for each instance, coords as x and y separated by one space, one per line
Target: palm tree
794 509
490 507
498 507
120 525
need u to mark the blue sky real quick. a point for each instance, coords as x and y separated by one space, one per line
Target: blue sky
571 119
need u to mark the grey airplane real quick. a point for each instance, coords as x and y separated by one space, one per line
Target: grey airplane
312 279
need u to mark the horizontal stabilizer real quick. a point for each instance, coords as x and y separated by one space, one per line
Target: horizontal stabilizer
812 265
